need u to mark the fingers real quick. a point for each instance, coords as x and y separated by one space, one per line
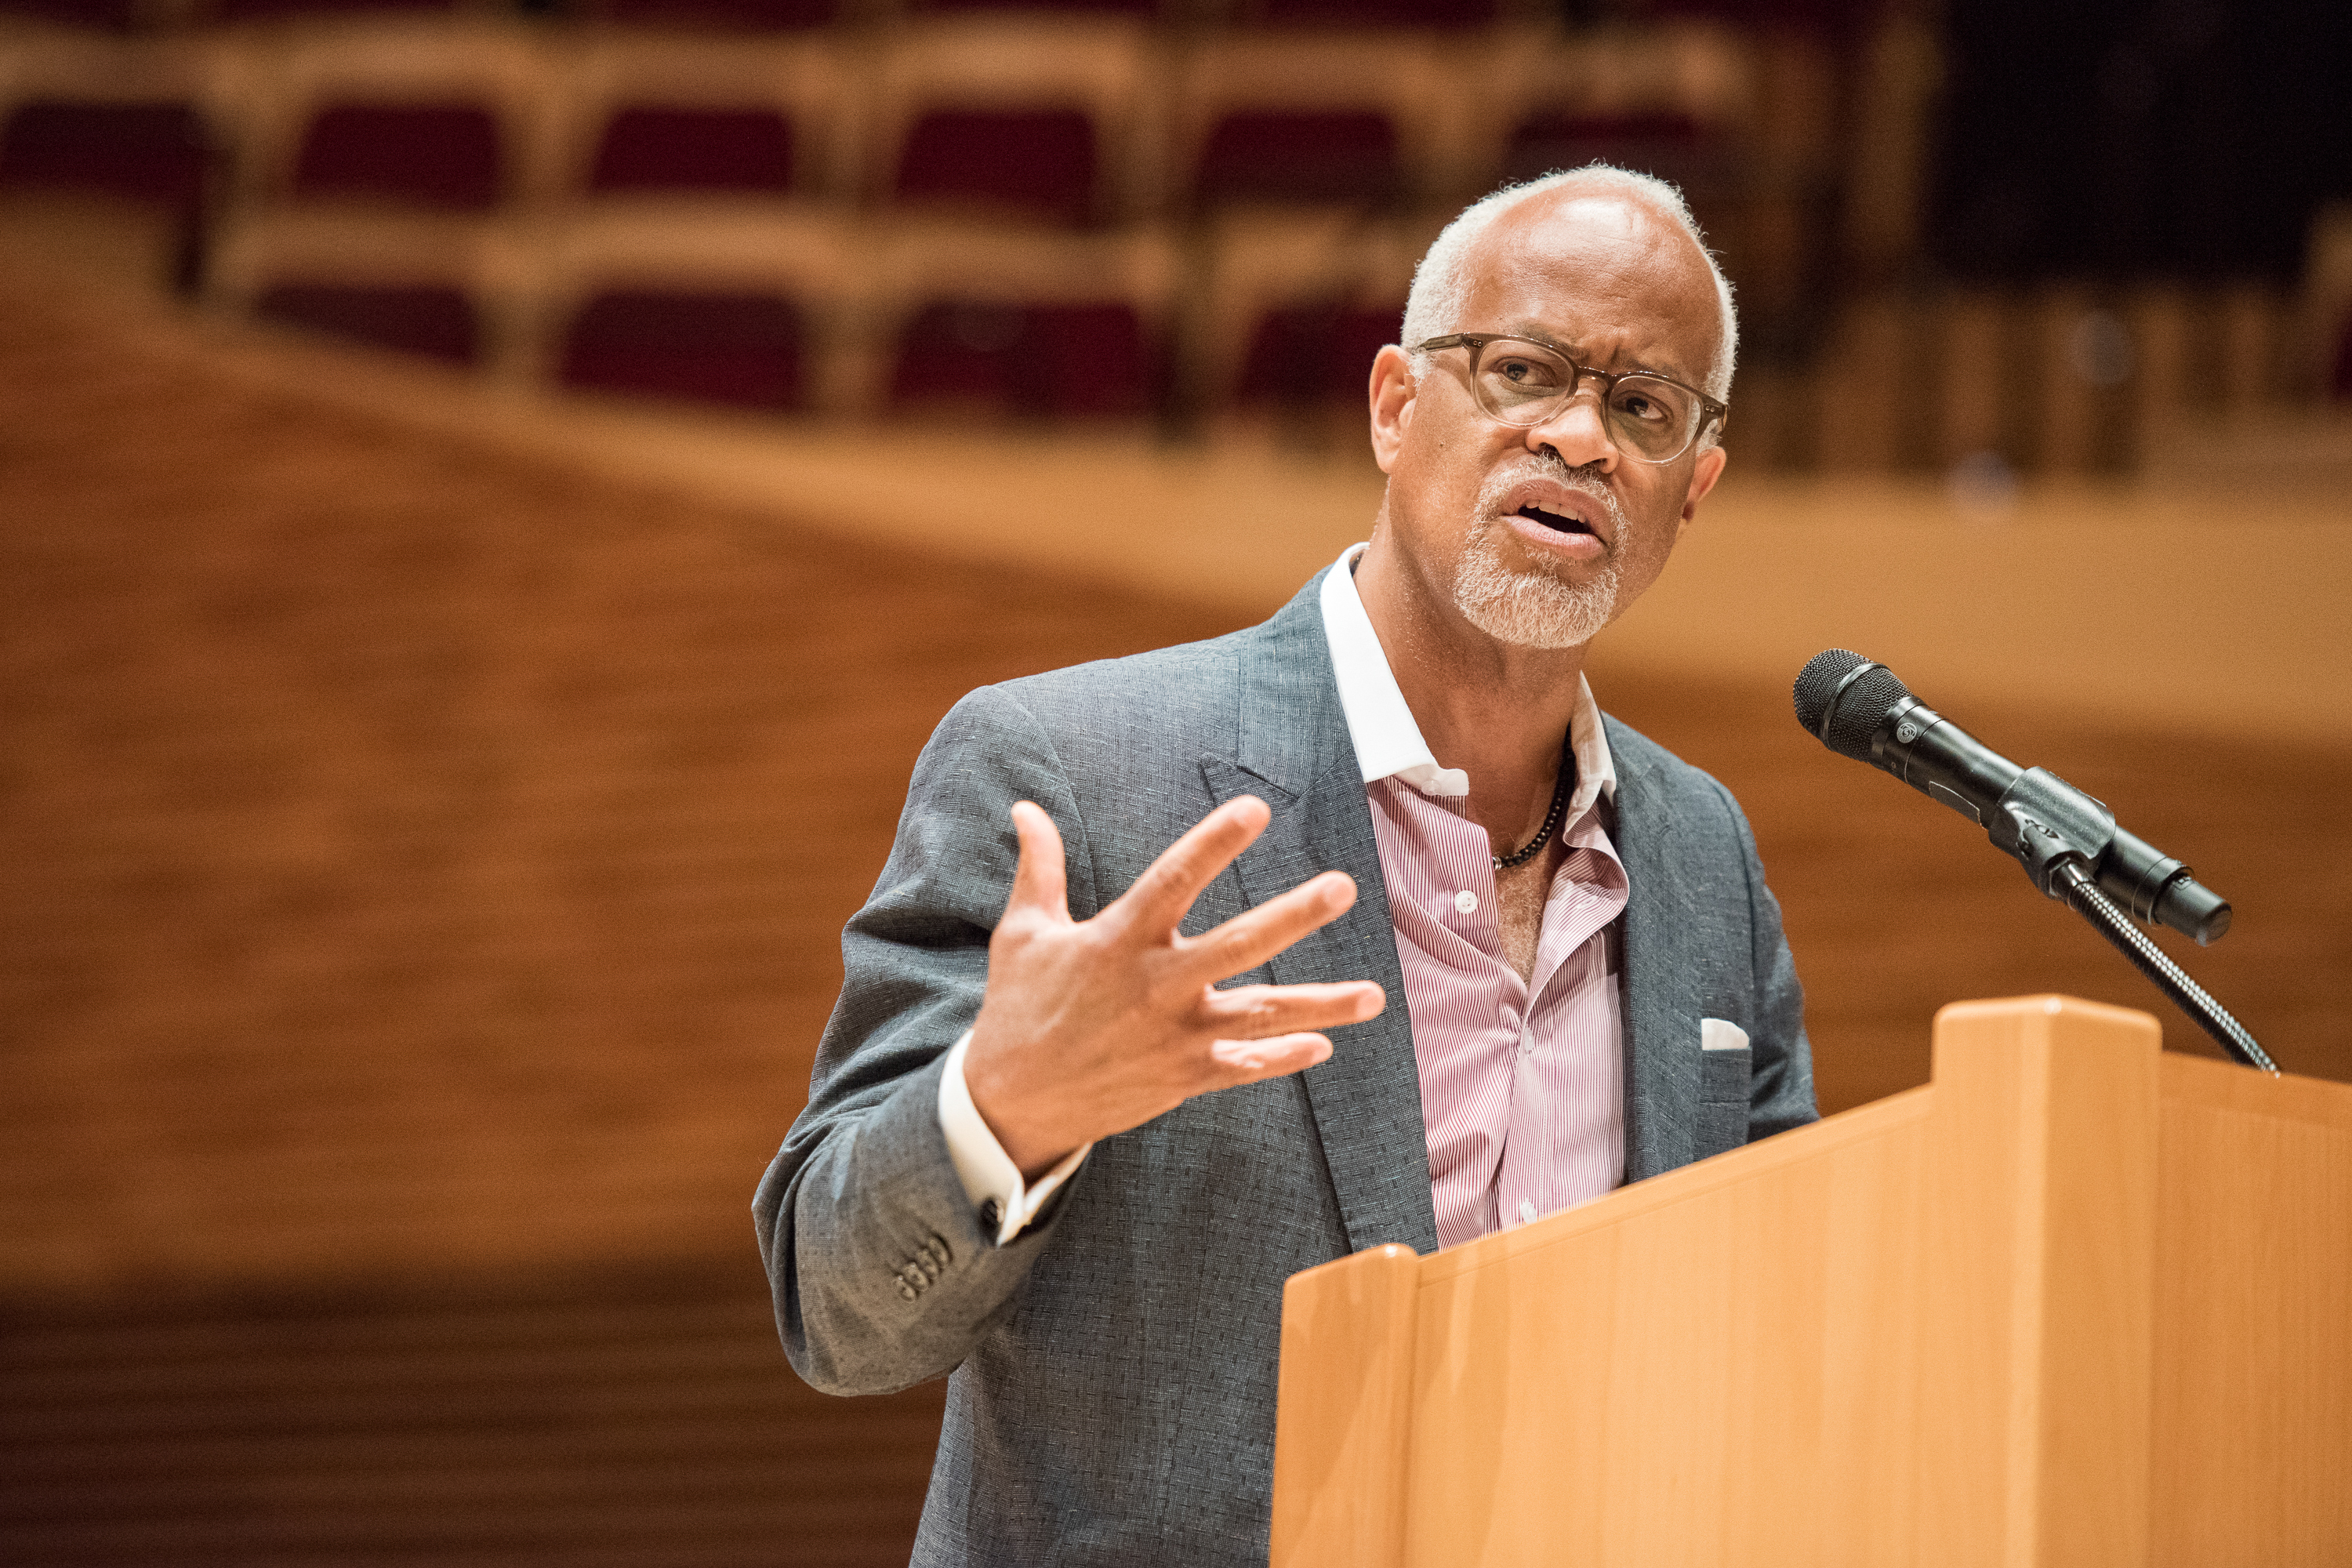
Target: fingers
1257 1012
1040 881
1249 939
1167 889
1248 1061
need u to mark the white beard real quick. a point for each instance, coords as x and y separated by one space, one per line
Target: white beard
1532 609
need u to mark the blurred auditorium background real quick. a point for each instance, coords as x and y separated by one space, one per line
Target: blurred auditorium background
493 499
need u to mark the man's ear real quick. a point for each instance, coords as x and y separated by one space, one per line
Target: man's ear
1704 475
1392 391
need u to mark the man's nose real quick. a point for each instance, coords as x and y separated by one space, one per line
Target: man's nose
1577 431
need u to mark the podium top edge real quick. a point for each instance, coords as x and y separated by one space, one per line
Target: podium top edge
2048 1005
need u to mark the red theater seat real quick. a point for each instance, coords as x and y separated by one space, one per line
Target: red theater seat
153 151
695 150
438 323
1376 13
440 155
262 10
746 15
1827 18
113 15
1671 146
1062 360
740 348
1284 157
1095 8
1041 164
1312 353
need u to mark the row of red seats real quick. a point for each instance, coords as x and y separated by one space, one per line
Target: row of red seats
750 351
798 14
1040 164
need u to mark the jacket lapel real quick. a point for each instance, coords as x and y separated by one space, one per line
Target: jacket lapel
1660 1007
1293 751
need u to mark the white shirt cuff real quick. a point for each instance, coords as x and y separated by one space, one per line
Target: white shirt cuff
983 1167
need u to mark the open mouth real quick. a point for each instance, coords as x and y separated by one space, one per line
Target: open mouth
1558 521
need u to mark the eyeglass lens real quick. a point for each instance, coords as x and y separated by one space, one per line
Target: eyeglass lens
1521 384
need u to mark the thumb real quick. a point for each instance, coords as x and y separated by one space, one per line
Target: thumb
1040 883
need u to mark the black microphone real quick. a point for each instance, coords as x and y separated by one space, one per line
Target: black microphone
1858 709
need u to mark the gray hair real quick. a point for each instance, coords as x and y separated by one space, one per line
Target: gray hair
1434 307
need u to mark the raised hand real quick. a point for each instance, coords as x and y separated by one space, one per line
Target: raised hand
1090 1028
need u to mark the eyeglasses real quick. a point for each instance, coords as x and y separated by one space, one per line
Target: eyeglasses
1524 383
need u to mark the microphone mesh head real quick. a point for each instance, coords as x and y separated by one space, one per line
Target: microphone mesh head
1859 706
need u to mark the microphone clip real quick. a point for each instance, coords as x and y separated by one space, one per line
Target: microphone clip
2045 824
2041 849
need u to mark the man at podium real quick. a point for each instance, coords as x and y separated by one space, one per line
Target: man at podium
1193 970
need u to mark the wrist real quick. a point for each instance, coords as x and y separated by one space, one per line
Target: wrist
1009 1111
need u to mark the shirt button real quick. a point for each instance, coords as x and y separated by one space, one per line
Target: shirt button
1465 902
1526 1211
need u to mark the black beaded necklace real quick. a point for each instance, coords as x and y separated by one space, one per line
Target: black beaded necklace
1520 857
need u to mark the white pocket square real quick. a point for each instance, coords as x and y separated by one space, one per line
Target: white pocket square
1721 1034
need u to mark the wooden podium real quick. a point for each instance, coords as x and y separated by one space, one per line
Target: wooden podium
2075 1301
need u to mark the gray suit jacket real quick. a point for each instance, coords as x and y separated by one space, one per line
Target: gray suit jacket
1113 1389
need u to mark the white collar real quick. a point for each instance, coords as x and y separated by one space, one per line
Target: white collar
1386 739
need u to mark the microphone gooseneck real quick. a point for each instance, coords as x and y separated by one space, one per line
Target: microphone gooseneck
2083 896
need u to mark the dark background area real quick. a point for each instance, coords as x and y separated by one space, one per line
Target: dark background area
2169 139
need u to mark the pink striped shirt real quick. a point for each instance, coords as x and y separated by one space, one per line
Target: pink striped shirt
1522 1081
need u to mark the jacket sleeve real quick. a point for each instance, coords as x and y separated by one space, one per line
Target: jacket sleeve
1780 1080
882 1275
